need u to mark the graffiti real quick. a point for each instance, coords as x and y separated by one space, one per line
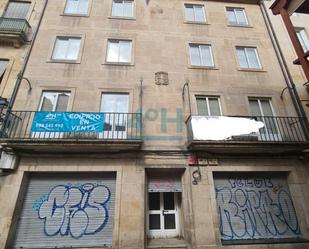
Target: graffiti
74 210
277 187
251 208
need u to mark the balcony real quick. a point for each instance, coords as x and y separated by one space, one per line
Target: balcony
72 131
14 30
251 135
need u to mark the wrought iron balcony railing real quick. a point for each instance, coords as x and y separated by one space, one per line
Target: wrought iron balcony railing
14 26
261 129
31 125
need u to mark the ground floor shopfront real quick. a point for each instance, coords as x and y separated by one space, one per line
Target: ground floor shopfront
155 202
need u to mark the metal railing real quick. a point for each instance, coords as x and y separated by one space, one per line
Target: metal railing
116 126
276 129
17 26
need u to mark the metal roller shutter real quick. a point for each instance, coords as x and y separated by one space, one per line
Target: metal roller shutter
71 210
255 206
164 183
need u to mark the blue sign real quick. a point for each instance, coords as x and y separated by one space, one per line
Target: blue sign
68 122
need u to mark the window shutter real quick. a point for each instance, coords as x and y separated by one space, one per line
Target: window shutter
214 107
17 10
231 16
199 14
242 58
47 104
73 48
202 106
62 103
128 8
117 8
189 13
252 57
206 55
124 51
240 13
60 48
195 55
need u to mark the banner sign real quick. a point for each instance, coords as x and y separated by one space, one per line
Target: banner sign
68 122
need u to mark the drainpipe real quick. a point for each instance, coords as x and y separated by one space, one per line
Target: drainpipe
20 75
284 68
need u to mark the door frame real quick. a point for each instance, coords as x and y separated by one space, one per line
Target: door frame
164 233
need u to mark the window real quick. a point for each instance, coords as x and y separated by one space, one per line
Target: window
122 8
66 48
3 66
78 7
17 9
116 108
262 109
303 39
208 106
195 13
54 101
119 51
201 55
237 16
248 58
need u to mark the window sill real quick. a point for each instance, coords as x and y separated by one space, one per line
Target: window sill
239 26
251 70
203 67
122 17
199 23
118 63
75 15
263 241
64 61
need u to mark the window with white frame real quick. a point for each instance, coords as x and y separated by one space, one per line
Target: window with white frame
122 8
3 66
263 110
195 13
201 55
303 39
76 7
54 101
17 9
248 58
237 16
119 51
66 48
208 106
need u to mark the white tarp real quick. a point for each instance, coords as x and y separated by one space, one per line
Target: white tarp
221 127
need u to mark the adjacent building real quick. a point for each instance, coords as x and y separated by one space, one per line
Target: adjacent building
18 23
300 27
155 124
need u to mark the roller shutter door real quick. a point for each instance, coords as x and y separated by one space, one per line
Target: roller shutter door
255 207
67 211
164 183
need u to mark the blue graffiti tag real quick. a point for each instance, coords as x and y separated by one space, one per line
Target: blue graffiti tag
255 208
76 210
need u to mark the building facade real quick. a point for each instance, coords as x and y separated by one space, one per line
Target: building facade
154 124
